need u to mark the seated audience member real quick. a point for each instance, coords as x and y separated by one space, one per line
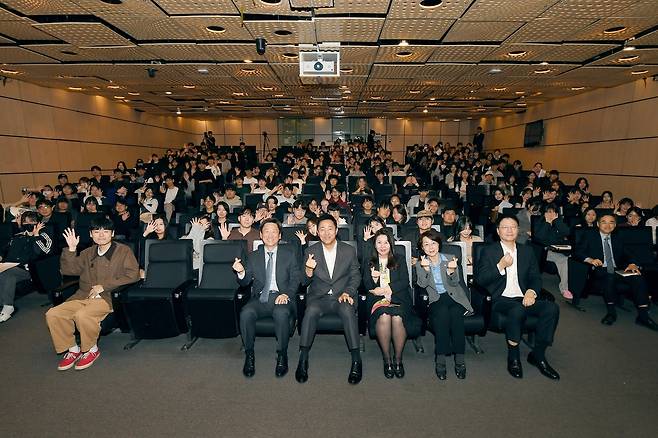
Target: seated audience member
261 187
389 304
298 215
433 206
283 193
440 276
314 209
624 205
653 221
208 207
384 211
524 217
399 215
571 208
273 273
96 192
338 197
606 252
245 231
464 233
511 275
553 231
102 268
240 187
220 216
172 197
55 222
487 182
201 230
311 234
156 229
633 218
362 187
230 197
424 220
607 201
31 243
417 202
148 205
334 211
409 188
332 275
125 223
448 224
587 219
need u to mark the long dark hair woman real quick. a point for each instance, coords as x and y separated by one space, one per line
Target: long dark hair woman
389 302
440 276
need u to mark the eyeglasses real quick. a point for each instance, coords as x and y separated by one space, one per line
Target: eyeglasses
508 227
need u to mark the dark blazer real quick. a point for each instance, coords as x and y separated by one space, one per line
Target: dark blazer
288 275
487 273
589 245
346 278
399 284
556 233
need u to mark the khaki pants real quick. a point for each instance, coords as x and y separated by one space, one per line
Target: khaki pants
86 315
169 211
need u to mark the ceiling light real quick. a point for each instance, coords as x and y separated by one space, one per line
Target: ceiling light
248 70
289 55
167 93
455 120
224 102
236 93
538 93
414 91
267 88
628 58
425 111
112 2
119 97
133 93
287 108
113 87
577 88
432 98
189 87
404 54
9 72
270 2
347 92
278 95
75 88
282 32
443 120
519 92
216 29
495 70
543 63
543 71
247 61
376 97
178 111
628 48
430 4
521 104
203 71
346 70
403 43
96 88
614 30
516 53
500 89
639 72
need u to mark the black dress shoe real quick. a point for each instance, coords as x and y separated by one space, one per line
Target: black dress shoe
514 368
388 370
356 372
460 371
302 371
440 370
249 368
648 323
399 370
281 365
543 366
609 319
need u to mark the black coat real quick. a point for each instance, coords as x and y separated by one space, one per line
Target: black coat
488 276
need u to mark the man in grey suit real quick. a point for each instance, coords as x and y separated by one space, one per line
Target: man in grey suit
332 275
274 276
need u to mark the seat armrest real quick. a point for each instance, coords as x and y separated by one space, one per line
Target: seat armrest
181 290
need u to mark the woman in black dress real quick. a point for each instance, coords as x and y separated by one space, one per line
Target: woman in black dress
389 302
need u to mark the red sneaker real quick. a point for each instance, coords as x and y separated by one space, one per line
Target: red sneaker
87 360
68 360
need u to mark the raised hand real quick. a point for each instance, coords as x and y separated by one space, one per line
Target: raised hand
71 239
506 261
452 264
310 262
237 266
224 231
150 227
367 233
425 263
301 236
37 229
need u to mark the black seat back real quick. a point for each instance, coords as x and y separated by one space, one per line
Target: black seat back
218 257
169 263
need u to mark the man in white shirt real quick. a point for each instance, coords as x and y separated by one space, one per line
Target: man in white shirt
171 193
511 275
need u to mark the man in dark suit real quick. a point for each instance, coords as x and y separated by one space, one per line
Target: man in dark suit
273 273
605 251
478 139
511 275
332 275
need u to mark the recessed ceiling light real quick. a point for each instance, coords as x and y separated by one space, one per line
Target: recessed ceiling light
543 63
614 30
495 70
178 111
639 72
189 87
628 48
414 91
248 70
519 92
132 93
167 92
9 72
290 55
287 108
543 71
270 2
425 110
282 32
68 52
430 4
224 102
516 53
112 2
278 95
247 61
455 120
432 98
267 88
577 88
403 43
521 104
346 70
203 71
404 54
628 58
500 89
216 29
443 120
113 87
538 93
75 88
376 97
236 93
119 97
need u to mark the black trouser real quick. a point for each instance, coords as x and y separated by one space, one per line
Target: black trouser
607 284
254 309
329 304
8 280
547 313
447 320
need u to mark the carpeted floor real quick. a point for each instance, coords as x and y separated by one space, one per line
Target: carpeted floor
608 389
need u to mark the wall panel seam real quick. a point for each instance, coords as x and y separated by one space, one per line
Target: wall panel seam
83 141
578 143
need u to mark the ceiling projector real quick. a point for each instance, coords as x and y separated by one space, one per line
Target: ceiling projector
319 64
